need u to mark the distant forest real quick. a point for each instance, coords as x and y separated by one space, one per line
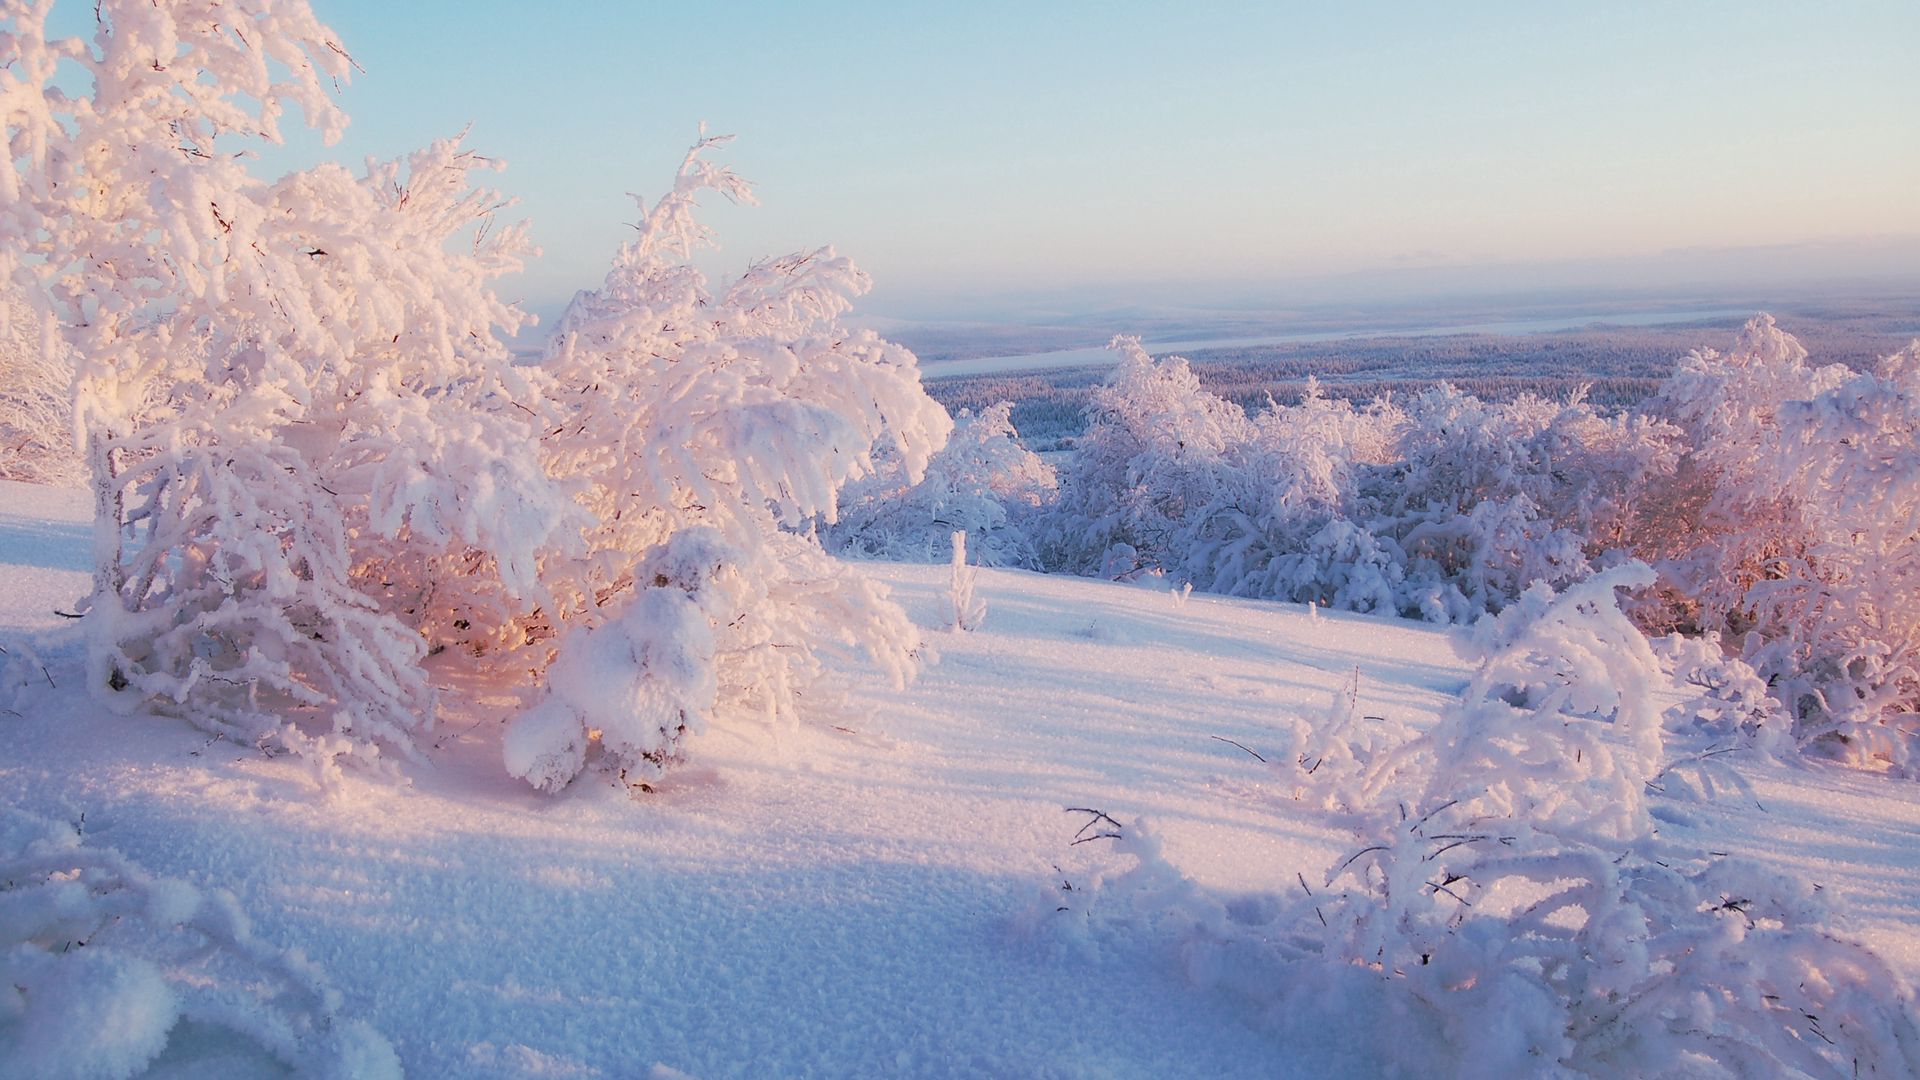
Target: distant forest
1619 365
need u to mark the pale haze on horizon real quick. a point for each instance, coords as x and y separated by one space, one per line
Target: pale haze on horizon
986 150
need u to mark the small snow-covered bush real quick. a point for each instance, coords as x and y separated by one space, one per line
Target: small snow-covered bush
1325 759
632 687
101 963
968 610
1730 700
983 483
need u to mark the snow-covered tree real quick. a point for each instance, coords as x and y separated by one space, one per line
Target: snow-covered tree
741 416
311 457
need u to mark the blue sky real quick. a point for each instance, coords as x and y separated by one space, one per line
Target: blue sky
989 149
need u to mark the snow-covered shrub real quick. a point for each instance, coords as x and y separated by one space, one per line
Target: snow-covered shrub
101 963
1557 728
984 483
968 610
1326 760
1719 522
311 457
1730 700
1576 961
1279 520
1446 508
1518 912
738 419
1839 632
1152 454
1172 478
36 398
1798 534
1485 498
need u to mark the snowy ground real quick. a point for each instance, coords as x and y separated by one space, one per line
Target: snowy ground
855 899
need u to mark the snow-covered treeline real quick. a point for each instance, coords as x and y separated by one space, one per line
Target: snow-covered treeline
36 407
1776 499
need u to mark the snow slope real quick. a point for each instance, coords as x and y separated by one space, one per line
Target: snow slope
852 899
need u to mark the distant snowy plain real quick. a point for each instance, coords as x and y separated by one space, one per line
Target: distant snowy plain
866 896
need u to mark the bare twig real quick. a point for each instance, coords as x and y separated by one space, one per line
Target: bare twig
1309 892
1338 870
1093 822
1415 827
1248 749
1441 887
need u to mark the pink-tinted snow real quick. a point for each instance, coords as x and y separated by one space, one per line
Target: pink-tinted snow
842 900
